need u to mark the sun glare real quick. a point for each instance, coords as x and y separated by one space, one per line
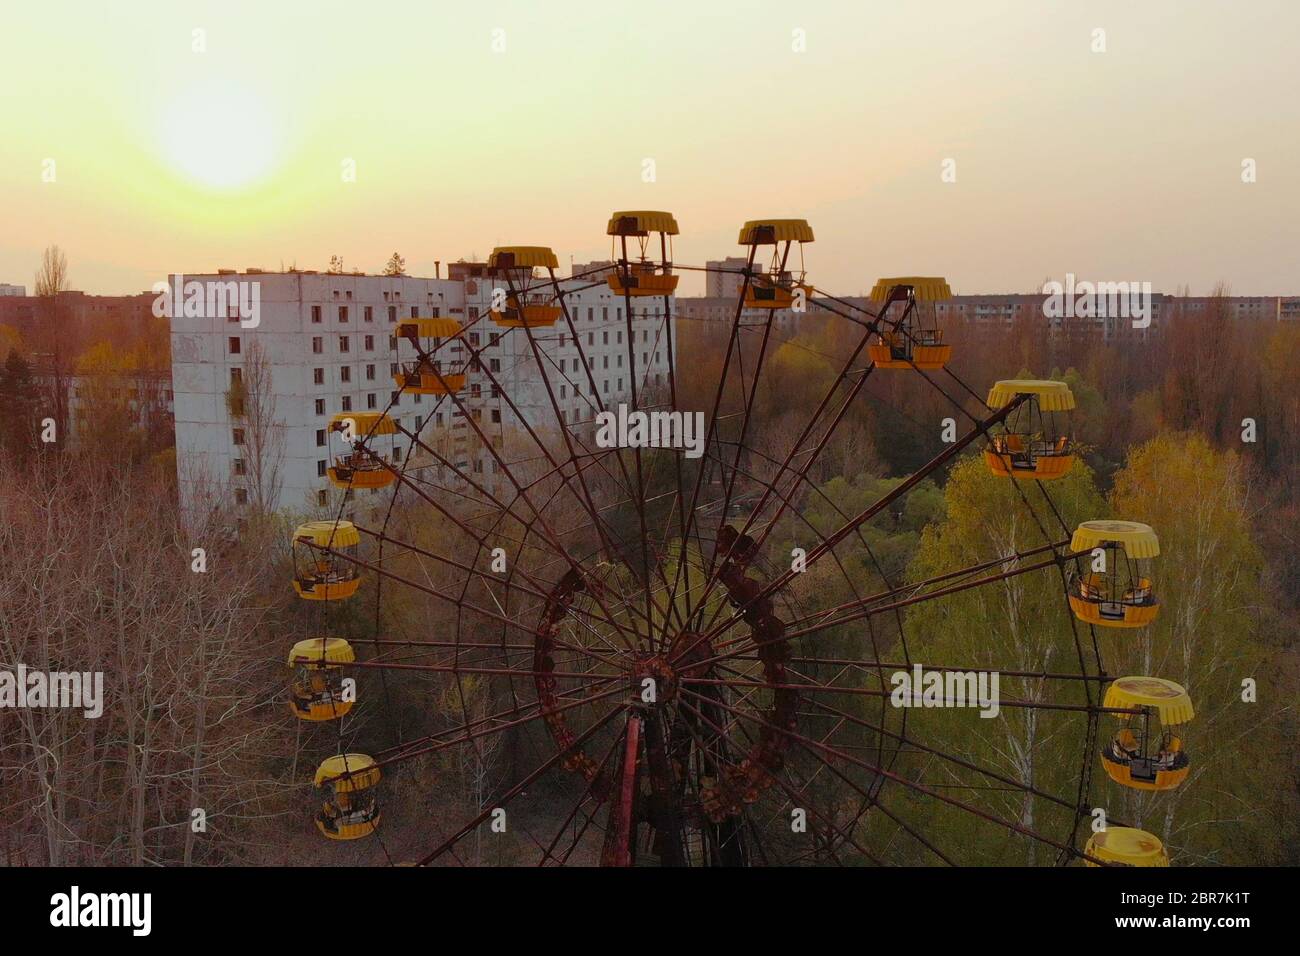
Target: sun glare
220 136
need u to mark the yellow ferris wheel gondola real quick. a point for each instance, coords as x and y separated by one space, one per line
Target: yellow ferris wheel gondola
524 308
321 570
426 375
915 341
643 276
1139 755
317 691
1117 591
361 468
774 287
1037 442
1126 846
349 809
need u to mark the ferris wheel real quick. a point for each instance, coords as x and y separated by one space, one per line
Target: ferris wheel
692 690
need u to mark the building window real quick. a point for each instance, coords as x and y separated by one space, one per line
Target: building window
392 313
396 398
320 469
317 345
240 471
236 375
347 403
315 313
237 436
493 338
234 345
345 373
415 311
368 313
370 400
344 344
321 499
318 376
494 365
370 343
343 313
496 415
241 496
370 373
320 406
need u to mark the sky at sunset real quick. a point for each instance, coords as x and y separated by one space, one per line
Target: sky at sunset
1117 165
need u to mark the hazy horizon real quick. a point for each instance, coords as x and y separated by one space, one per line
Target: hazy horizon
1123 165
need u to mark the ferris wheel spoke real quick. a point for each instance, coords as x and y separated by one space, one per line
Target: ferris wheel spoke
814 688
533 588
897 778
840 534
801 474
913 589
951 758
584 500
739 441
523 784
587 794
584 496
711 430
791 793
427 745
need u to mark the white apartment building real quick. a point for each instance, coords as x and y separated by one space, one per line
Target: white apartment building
329 345
12 290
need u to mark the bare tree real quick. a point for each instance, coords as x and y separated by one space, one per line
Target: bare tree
96 576
51 282
251 400
396 266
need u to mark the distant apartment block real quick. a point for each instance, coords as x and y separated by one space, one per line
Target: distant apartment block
723 309
80 316
12 290
1005 309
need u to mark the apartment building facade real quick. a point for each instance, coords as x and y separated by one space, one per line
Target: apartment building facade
326 344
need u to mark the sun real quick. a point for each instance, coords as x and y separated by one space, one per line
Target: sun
219 135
